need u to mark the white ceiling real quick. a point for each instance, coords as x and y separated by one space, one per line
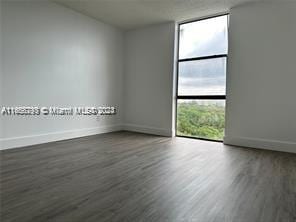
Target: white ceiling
130 14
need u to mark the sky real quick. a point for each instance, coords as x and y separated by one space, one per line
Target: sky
203 38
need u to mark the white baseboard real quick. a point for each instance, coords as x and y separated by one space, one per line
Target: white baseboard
283 146
148 130
16 142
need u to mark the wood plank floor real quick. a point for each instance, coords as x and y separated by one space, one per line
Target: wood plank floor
131 177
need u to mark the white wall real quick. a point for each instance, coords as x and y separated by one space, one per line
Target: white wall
53 56
148 81
261 90
1 81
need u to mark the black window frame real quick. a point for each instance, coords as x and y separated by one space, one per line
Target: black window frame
197 97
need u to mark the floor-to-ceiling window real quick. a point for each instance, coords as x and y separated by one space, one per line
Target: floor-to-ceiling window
202 59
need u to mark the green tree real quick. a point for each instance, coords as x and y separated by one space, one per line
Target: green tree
201 120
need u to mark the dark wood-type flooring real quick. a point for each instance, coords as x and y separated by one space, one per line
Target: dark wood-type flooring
133 177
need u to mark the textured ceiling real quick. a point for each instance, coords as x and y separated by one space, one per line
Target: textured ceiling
130 14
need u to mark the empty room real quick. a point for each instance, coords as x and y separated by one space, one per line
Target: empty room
147 111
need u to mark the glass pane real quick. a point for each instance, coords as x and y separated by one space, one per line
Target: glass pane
201 118
202 77
203 38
